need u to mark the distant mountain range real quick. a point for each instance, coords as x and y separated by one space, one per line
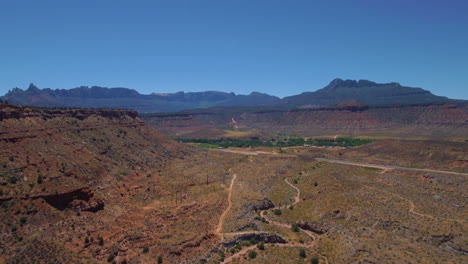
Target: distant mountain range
362 91
365 92
102 97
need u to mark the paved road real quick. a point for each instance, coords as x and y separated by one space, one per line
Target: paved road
388 167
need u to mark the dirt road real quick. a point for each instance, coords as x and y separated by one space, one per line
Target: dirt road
223 215
388 167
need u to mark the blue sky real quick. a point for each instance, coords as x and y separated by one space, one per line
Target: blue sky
272 46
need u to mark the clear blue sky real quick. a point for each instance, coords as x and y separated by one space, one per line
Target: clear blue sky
278 47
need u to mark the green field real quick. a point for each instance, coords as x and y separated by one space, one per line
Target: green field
275 142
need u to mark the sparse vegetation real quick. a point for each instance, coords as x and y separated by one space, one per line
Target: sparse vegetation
151 186
111 257
302 253
252 254
23 220
261 246
277 212
315 259
39 179
295 228
253 241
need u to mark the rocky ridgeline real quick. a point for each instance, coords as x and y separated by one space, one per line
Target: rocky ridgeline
17 112
33 120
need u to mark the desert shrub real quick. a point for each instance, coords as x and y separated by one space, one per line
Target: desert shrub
39 179
302 253
221 254
253 241
315 260
12 180
295 228
101 241
145 250
277 212
245 244
160 260
261 246
111 257
23 220
252 254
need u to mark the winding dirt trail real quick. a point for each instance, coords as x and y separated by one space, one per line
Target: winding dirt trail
297 198
412 207
224 214
245 251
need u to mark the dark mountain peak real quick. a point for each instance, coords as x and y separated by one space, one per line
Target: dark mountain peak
259 94
32 87
340 83
365 83
365 92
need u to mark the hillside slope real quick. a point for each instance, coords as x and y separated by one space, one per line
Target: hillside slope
83 186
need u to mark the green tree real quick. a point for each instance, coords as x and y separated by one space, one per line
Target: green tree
252 254
160 260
